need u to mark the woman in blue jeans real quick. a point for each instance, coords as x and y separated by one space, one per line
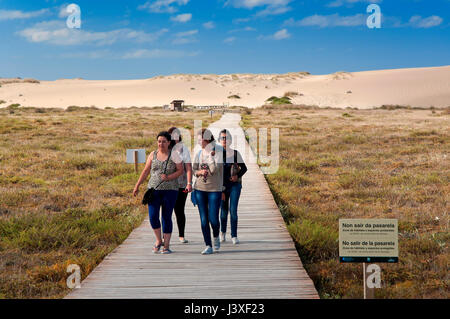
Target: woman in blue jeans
208 188
234 169
165 167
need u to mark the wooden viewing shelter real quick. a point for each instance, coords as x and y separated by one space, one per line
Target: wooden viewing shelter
177 105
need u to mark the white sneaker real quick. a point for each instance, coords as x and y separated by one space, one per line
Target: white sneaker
235 240
208 250
183 240
216 243
222 237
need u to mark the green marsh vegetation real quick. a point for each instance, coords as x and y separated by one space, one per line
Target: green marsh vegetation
390 162
66 190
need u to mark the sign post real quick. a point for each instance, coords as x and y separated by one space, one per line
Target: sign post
365 281
366 241
136 161
372 280
136 156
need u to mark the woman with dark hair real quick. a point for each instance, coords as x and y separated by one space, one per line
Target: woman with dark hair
184 181
165 167
208 188
234 169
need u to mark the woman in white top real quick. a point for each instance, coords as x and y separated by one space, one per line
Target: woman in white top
208 168
184 181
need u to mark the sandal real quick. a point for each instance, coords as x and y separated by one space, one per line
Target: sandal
156 248
166 251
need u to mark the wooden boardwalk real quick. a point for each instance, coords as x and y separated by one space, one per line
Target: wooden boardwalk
264 265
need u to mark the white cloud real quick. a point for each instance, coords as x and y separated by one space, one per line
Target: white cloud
273 7
185 37
101 54
209 25
184 40
333 20
17 14
132 54
340 3
247 29
56 32
273 11
281 35
157 53
63 11
250 4
419 22
182 18
162 6
186 33
229 40
240 20
415 21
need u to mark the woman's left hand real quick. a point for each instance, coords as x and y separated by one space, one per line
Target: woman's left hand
189 188
164 177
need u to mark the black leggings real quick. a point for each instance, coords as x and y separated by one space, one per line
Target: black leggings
179 211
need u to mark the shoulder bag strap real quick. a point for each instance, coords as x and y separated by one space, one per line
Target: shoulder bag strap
165 168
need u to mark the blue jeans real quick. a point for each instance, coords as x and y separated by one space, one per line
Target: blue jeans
232 194
208 207
165 199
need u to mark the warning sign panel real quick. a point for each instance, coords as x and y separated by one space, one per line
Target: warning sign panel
368 240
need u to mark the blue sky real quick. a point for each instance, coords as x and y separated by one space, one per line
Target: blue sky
134 39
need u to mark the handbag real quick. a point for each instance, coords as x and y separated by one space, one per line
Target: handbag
234 168
149 195
193 198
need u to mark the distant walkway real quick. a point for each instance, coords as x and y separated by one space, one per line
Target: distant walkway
264 265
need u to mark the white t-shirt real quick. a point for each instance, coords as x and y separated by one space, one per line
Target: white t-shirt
185 156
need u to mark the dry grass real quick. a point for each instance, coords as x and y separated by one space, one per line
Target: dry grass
291 94
391 163
18 80
66 191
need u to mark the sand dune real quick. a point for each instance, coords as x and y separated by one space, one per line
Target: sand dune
419 87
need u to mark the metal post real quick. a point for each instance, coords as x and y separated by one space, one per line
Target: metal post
364 279
369 290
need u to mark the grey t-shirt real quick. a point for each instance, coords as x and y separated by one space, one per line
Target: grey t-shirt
158 168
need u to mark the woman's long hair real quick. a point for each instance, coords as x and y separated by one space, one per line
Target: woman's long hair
166 135
174 130
206 135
